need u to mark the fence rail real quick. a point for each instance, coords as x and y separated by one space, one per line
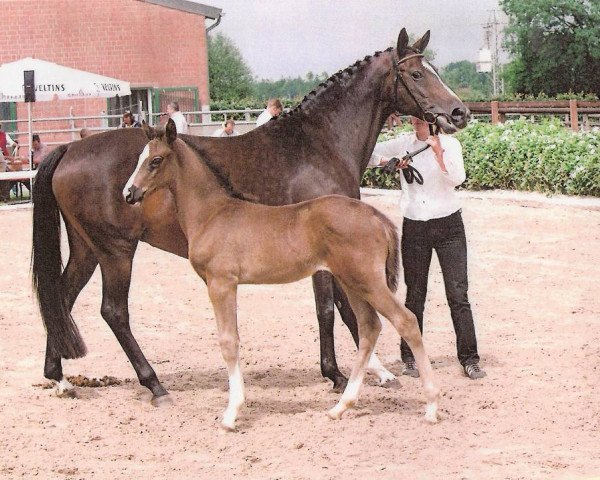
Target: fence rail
589 111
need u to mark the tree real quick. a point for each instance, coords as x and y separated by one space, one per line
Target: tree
229 77
463 78
556 46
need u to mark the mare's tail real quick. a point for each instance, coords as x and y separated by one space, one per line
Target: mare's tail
64 339
392 262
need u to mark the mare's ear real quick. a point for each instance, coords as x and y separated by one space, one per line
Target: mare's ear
421 44
149 132
402 42
171 131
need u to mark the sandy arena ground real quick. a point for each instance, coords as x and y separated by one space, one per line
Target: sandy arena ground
534 272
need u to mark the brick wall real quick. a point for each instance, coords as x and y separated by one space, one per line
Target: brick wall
148 45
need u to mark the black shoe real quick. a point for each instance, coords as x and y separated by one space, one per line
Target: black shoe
473 371
410 369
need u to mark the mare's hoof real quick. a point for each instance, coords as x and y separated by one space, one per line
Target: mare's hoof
339 384
162 401
67 393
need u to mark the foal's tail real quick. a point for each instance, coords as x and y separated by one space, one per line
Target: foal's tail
392 262
64 339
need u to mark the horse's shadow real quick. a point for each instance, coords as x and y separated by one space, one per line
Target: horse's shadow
216 378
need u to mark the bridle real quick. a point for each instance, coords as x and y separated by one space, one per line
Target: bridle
428 115
411 174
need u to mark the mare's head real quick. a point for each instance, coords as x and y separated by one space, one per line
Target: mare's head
152 173
418 90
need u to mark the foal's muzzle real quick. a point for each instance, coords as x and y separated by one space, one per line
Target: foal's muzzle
135 195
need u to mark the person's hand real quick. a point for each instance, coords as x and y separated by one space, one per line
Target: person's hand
438 151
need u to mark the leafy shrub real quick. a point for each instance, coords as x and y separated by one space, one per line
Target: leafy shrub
520 155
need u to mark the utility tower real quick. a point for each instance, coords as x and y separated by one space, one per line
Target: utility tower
489 54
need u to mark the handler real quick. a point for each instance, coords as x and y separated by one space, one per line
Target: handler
433 221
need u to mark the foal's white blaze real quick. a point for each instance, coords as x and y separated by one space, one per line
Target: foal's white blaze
236 398
143 157
432 70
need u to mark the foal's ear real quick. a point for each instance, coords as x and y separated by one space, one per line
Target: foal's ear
147 130
402 42
421 44
171 131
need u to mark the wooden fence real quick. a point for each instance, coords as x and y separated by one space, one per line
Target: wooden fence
589 111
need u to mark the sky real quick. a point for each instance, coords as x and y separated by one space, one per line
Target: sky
289 38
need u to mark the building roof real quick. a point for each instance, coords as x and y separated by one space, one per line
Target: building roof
189 6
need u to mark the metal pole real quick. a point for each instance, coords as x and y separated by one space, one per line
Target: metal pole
30 154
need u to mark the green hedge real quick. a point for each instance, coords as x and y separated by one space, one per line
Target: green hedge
520 155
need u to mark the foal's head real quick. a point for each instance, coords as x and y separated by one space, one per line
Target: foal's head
152 173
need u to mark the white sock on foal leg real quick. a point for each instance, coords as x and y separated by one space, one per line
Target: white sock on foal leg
349 397
236 398
375 367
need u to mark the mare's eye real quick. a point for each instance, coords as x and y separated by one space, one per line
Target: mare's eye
416 75
155 162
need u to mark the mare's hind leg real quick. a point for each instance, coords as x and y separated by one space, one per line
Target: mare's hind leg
405 323
323 289
369 327
223 297
343 305
116 279
80 267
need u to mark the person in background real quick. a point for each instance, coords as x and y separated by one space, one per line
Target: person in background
177 117
38 150
433 221
129 121
274 109
6 142
228 130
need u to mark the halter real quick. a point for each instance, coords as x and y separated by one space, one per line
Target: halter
428 115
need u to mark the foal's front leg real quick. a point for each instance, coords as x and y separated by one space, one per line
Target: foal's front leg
223 295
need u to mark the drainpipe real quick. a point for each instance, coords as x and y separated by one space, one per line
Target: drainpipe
208 29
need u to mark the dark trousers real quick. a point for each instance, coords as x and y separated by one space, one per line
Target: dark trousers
447 237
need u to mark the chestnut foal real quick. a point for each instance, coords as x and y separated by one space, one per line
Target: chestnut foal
232 242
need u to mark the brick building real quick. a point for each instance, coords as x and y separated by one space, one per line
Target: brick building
157 45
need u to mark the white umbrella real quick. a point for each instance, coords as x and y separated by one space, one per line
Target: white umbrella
55 82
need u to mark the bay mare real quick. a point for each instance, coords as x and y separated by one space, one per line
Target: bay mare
233 242
321 147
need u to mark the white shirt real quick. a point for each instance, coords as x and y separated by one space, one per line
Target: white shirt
436 198
264 117
180 122
222 133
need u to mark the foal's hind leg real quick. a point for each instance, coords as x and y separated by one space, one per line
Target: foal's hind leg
223 297
341 302
369 327
116 278
80 267
405 322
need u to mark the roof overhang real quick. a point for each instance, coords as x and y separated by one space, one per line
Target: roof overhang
189 7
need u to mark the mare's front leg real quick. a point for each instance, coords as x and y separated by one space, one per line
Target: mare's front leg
323 288
223 295
343 305
116 279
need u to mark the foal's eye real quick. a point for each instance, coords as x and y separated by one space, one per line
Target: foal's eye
416 75
155 162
